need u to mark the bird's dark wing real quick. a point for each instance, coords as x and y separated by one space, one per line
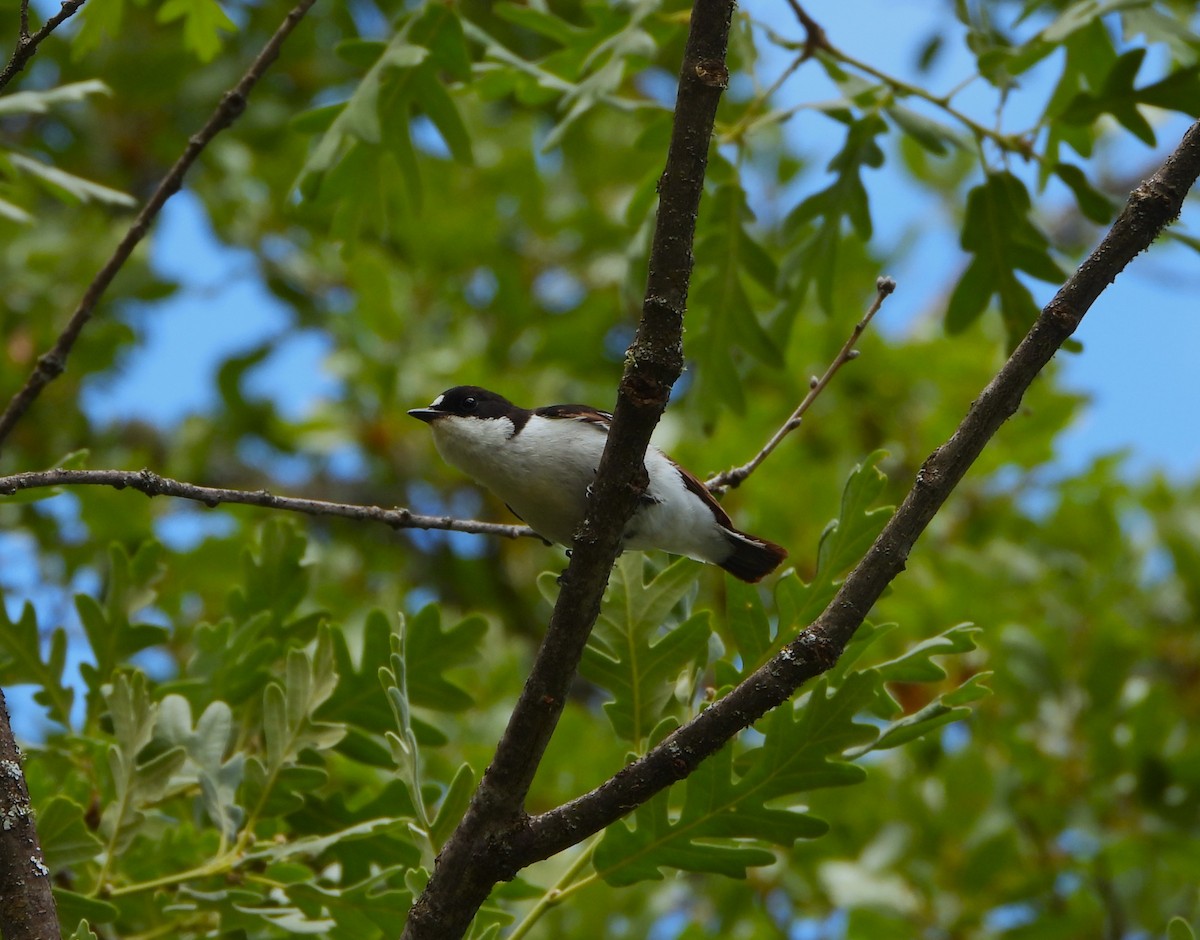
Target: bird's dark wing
584 413
693 484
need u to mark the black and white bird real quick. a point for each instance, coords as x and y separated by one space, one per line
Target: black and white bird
542 461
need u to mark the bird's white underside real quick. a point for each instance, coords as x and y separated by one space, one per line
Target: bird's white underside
543 473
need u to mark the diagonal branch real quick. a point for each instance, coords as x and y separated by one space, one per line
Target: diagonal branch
477 856
1151 207
735 477
50 365
28 44
150 483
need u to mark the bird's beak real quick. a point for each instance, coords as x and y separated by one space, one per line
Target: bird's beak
428 415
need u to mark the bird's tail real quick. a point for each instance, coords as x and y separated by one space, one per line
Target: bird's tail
751 559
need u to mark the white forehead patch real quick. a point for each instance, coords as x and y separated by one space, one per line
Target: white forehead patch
437 401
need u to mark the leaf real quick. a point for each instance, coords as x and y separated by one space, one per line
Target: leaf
21 644
65 836
203 23
289 725
454 805
998 232
1179 929
110 632
934 136
1092 203
357 700
432 651
40 102
206 745
843 543
83 932
135 783
635 652
17 214
275 579
844 200
943 710
725 823
63 184
847 538
1179 91
733 272
917 665
74 907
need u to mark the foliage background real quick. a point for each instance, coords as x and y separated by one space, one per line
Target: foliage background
484 217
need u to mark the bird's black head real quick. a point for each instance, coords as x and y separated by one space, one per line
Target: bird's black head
466 401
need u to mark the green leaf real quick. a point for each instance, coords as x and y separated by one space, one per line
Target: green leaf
275 579
203 23
998 232
844 200
65 836
358 701
74 907
112 635
635 651
40 102
722 301
934 136
725 824
136 783
289 725
917 665
1179 91
847 538
66 185
431 97
83 932
454 805
1179 929
1092 203
21 645
942 711
206 745
432 651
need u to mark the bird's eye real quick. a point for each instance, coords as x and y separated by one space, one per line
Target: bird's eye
470 404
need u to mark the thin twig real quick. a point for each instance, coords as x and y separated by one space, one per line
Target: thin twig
734 477
815 40
814 34
150 483
51 364
27 45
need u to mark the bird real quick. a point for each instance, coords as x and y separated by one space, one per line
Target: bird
541 463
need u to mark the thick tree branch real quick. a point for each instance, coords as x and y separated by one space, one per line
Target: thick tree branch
1151 207
51 364
26 904
476 856
28 44
150 483
735 477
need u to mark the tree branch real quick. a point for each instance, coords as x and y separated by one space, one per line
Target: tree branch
26 905
1151 207
51 364
150 483
27 45
476 856
733 478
